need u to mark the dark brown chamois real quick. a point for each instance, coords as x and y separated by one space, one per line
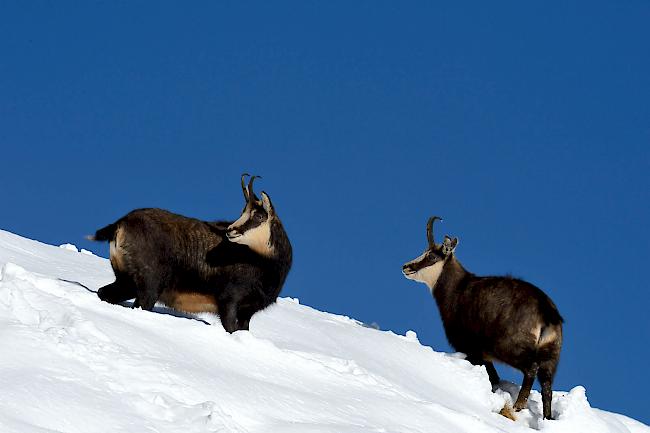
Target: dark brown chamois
492 318
231 268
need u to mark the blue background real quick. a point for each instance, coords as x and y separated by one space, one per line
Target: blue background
524 124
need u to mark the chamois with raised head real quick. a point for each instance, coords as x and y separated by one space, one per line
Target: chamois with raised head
231 268
492 318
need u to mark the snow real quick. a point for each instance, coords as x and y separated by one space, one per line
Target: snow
71 363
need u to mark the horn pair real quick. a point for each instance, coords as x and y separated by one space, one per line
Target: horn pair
430 230
248 190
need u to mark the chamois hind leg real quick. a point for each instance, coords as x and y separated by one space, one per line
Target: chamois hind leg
526 386
118 291
545 376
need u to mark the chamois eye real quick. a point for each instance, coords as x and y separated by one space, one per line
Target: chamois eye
258 216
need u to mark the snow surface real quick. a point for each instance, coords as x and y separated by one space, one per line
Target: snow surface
70 363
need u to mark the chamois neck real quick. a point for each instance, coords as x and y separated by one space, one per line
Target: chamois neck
279 244
451 276
281 259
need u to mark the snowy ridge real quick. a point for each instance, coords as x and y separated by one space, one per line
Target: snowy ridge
71 363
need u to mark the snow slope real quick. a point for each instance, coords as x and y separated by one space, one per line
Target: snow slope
70 363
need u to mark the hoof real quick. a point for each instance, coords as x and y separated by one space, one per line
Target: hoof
520 405
507 412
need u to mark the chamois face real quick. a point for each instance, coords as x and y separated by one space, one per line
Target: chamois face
427 267
253 227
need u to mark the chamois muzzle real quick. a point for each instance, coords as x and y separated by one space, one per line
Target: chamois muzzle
233 234
407 269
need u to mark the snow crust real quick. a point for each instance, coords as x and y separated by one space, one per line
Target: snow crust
70 363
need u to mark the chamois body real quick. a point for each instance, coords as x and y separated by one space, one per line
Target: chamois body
199 266
493 318
499 318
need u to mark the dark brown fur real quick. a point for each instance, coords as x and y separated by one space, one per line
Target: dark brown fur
496 318
189 264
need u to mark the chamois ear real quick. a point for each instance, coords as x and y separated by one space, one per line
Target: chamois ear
449 245
266 204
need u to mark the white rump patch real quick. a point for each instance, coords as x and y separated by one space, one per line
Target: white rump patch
116 252
545 334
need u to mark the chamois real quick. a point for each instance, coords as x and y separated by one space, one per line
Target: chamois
231 268
492 318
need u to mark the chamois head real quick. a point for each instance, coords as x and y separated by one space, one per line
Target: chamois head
253 227
427 267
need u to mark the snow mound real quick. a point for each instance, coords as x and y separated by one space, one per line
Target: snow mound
71 363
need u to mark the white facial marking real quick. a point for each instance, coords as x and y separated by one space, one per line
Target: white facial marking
257 239
240 221
428 275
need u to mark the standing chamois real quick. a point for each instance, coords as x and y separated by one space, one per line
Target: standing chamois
231 268
492 318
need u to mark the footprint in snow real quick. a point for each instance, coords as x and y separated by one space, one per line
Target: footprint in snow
202 417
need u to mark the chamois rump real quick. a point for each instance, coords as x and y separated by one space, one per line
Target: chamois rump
492 318
231 268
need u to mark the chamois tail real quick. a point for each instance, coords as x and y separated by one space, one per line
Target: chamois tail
104 234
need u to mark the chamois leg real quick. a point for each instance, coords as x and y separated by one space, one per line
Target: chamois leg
146 301
527 384
491 371
244 318
545 376
118 291
228 316
148 290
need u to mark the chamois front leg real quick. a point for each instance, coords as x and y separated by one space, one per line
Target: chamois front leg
492 373
244 318
228 316
149 288
235 316
489 366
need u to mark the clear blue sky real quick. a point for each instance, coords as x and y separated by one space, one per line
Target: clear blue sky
526 125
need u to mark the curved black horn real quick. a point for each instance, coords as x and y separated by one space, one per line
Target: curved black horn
251 194
243 185
432 243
